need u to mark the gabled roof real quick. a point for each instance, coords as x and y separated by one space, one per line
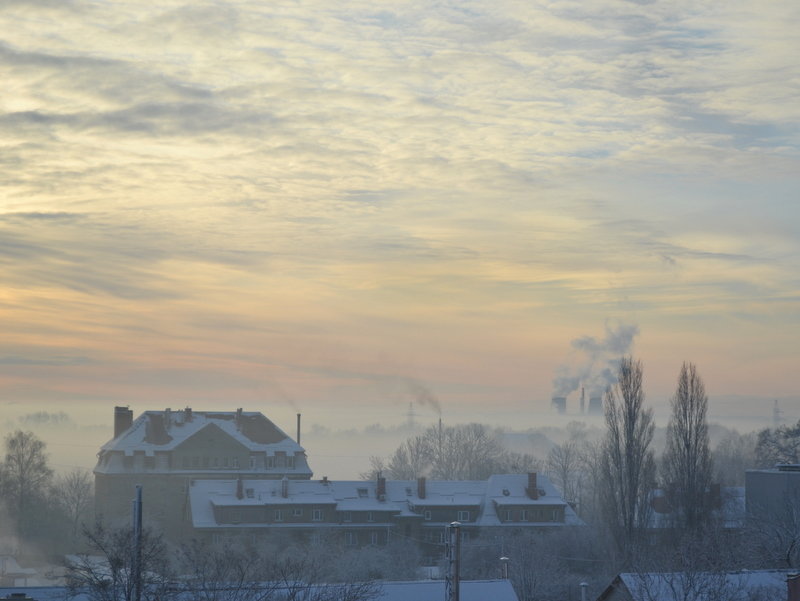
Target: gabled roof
166 430
700 586
400 498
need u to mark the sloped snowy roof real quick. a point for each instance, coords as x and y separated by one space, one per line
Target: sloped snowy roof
356 495
423 590
166 430
702 586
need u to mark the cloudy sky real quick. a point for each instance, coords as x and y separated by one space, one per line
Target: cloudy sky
339 207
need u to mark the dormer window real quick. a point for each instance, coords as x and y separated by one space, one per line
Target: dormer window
363 493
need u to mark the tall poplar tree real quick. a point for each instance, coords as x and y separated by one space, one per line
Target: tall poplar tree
687 464
627 463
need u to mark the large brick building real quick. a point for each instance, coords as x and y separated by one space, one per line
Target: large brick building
164 451
359 513
235 475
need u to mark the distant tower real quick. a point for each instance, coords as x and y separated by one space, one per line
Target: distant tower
583 401
776 415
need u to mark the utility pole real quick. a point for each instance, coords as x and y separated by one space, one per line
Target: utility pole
453 582
136 567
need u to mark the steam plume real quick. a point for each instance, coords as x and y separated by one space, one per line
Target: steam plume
599 361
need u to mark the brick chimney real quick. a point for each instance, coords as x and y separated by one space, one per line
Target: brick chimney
532 490
187 413
421 487
123 419
793 587
381 488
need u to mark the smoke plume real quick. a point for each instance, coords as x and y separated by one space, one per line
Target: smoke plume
597 363
423 396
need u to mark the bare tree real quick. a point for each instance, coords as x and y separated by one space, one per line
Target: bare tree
462 452
25 473
734 454
106 572
73 492
687 466
627 464
778 445
564 469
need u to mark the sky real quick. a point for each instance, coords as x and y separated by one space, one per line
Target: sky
341 208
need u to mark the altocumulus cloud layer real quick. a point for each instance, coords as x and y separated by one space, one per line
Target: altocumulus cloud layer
218 200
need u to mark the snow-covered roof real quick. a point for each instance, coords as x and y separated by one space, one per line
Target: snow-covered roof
166 430
401 497
703 586
423 590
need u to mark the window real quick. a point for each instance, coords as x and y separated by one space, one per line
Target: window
508 515
279 515
348 516
297 512
290 462
350 538
236 516
524 515
149 462
252 462
316 515
427 515
463 516
370 516
363 493
236 463
271 462
373 538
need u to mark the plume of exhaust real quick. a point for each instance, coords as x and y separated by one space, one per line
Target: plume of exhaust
597 361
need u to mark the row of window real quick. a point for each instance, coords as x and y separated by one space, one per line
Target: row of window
232 462
278 514
461 516
532 515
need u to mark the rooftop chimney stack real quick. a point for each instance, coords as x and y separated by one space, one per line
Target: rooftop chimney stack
123 419
187 413
793 586
381 488
421 487
533 490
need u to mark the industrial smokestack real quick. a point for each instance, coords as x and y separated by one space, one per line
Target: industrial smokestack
298 428
123 419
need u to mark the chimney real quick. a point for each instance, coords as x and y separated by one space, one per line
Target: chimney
187 413
381 488
298 428
793 587
325 480
238 416
285 487
421 487
123 419
167 418
532 490
239 488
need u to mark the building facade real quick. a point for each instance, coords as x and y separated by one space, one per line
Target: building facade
164 451
361 513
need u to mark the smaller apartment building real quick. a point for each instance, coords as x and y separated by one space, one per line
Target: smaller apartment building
361 513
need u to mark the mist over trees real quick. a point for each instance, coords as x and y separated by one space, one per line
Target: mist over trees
461 452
